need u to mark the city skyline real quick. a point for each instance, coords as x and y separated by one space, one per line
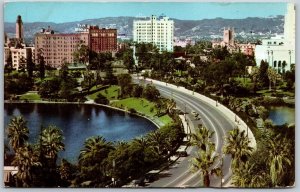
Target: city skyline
68 12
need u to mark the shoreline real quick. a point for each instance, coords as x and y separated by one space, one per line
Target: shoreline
89 102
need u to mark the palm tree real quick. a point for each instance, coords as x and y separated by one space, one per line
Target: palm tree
237 145
241 177
202 138
95 151
51 142
279 156
255 75
92 159
203 162
25 160
272 75
17 132
157 140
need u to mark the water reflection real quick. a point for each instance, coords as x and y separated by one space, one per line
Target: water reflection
282 115
78 122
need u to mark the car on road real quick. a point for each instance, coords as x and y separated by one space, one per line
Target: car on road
138 182
195 113
181 151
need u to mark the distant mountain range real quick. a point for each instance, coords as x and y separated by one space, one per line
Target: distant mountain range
205 28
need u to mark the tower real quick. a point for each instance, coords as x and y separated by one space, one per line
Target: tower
19 29
228 36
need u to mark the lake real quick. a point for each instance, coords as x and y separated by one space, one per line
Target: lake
78 122
282 115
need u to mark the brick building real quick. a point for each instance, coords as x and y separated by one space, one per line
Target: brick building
59 48
102 40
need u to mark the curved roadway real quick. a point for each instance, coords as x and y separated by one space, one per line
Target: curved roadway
179 175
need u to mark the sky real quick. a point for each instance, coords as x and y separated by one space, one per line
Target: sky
76 11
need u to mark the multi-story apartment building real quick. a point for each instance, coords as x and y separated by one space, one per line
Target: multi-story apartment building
58 48
102 40
159 31
16 48
20 56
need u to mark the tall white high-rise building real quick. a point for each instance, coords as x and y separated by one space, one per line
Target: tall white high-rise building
159 31
279 51
290 24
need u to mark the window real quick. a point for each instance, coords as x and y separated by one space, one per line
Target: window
275 63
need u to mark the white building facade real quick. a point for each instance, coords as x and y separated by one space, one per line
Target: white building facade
279 51
159 31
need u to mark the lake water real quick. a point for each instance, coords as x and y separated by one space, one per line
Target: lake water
282 115
79 122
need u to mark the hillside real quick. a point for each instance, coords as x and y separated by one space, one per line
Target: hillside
187 28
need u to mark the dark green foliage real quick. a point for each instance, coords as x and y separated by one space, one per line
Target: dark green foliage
17 83
50 88
101 99
263 75
137 91
151 93
124 81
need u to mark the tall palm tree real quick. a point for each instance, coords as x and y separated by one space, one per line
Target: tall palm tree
92 158
237 145
157 140
51 142
202 138
17 132
241 177
95 150
25 160
279 156
272 75
203 162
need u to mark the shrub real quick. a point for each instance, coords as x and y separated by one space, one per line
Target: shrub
132 110
101 99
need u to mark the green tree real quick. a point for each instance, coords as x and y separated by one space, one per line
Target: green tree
137 91
151 93
51 142
128 59
67 172
81 55
272 75
202 138
279 157
17 132
50 88
204 162
41 62
263 77
92 158
157 140
29 65
95 151
25 160
237 144
125 83
254 75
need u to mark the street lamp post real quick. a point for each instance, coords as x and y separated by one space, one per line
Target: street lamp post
290 52
222 180
113 174
247 127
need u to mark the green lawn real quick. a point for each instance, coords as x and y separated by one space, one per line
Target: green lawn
30 96
142 106
266 92
246 82
111 94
